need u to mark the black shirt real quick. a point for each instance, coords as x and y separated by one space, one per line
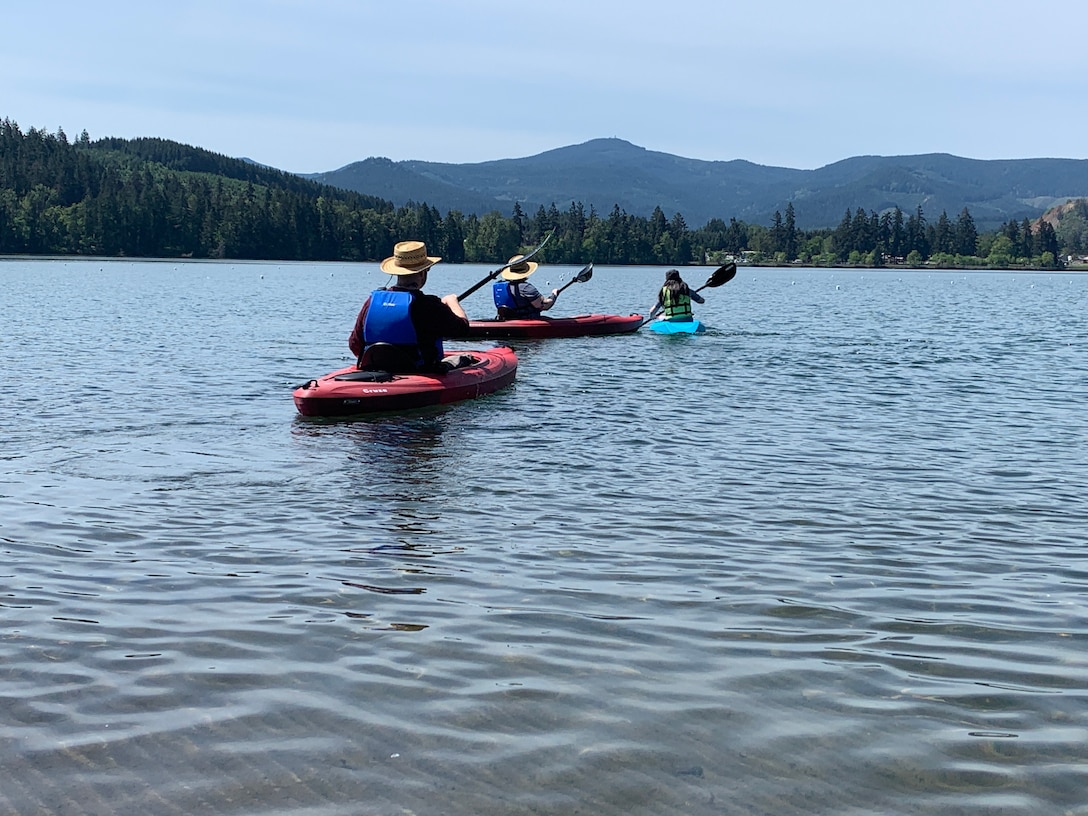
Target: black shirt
431 318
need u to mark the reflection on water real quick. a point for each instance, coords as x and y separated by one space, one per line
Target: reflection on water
825 558
388 453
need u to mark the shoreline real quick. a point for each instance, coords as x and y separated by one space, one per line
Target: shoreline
1075 267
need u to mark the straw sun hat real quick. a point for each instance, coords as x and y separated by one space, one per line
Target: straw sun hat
409 258
518 269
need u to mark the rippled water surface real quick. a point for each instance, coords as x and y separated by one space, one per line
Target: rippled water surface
827 558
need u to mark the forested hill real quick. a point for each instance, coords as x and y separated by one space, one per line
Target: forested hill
603 173
156 198
187 159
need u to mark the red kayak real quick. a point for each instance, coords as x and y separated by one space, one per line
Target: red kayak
350 391
540 327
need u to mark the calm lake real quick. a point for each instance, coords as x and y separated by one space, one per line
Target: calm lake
828 558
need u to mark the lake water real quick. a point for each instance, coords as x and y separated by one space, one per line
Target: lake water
828 558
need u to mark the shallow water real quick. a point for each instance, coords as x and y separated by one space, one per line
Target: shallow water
826 558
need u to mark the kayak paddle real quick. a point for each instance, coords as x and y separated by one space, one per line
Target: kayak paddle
506 265
723 274
581 277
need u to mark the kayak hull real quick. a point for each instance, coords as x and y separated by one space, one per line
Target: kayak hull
343 393
677 326
587 325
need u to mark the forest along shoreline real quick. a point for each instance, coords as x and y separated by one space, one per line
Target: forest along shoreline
153 198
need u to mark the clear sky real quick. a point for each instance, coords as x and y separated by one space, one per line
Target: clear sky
313 85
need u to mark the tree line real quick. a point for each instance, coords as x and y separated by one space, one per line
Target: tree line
876 239
156 198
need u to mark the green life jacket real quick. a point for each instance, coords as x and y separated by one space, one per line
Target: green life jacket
676 307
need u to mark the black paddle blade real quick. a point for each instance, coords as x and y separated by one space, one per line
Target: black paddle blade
581 277
723 274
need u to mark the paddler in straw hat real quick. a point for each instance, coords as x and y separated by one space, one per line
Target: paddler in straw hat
515 297
399 328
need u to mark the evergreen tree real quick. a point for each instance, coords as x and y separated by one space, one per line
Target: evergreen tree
576 230
842 238
736 237
877 234
790 234
863 239
519 219
1011 230
681 239
1027 240
944 235
453 234
1046 241
966 236
777 236
659 225
897 238
915 233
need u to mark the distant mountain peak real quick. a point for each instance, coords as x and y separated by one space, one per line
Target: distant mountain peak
606 172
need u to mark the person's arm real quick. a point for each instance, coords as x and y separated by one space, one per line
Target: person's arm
435 319
545 303
656 307
444 316
535 299
697 297
455 306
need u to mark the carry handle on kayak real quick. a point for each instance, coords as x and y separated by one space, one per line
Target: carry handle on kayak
506 265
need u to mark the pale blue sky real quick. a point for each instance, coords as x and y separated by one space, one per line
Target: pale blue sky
313 85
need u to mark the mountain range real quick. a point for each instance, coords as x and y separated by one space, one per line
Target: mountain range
609 173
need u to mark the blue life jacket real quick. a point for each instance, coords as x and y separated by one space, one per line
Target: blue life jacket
389 321
510 304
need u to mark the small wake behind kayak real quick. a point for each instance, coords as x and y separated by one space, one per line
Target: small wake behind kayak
586 325
677 326
348 391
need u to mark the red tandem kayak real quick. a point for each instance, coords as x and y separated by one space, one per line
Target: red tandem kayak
349 391
579 326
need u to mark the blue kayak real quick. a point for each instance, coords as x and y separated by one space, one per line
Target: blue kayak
677 326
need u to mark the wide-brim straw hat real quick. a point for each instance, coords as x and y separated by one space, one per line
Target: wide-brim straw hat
409 258
519 269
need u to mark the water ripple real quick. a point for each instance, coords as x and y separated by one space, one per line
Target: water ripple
826 558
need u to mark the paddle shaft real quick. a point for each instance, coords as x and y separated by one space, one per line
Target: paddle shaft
498 271
581 277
